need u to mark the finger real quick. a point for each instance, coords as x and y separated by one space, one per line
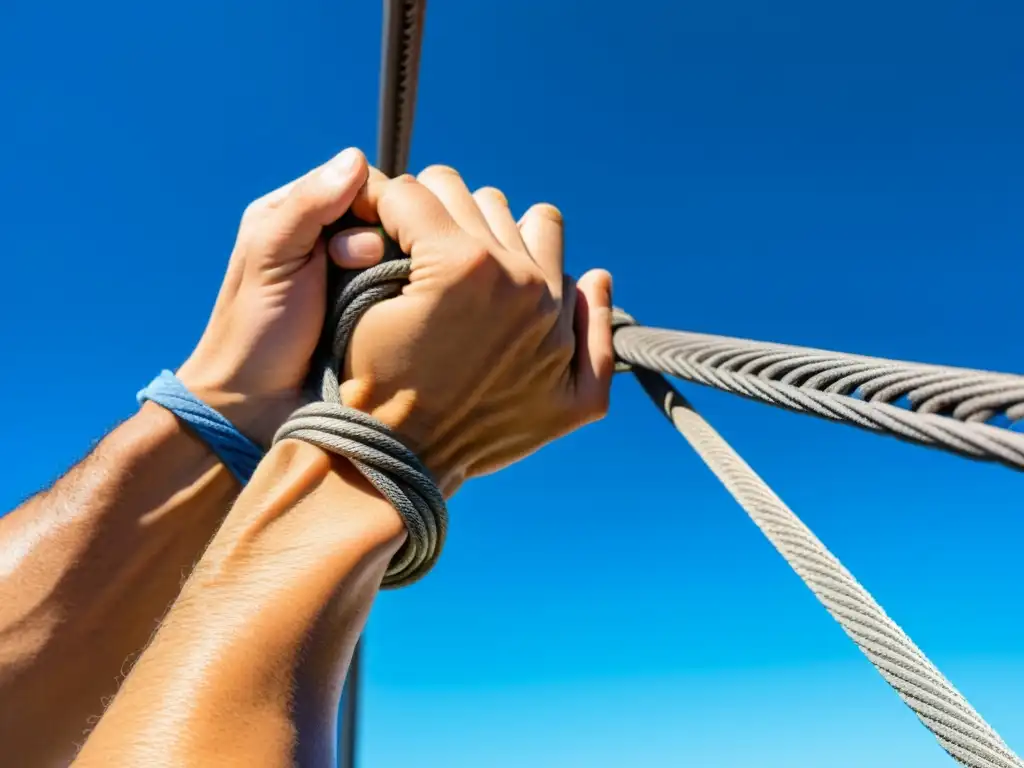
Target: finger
543 233
410 213
494 206
356 248
363 206
595 357
274 198
314 201
451 190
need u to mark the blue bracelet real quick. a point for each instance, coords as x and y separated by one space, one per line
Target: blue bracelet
239 454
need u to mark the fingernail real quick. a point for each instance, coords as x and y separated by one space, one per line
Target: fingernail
356 249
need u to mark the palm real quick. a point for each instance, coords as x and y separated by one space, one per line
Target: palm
290 314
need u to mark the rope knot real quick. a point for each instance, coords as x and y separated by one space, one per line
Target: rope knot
372 447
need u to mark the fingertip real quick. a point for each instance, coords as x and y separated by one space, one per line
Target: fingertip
335 185
365 203
356 248
545 211
321 197
345 167
597 285
596 355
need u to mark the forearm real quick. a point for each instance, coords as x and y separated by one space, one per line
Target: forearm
87 569
247 667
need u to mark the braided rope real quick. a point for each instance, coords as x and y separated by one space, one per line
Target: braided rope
959 729
376 452
958 410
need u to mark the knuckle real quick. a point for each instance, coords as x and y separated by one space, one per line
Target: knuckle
478 266
479 261
395 189
534 298
522 292
530 284
402 180
255 210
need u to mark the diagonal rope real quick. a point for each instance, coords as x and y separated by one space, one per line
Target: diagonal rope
971 413
959 729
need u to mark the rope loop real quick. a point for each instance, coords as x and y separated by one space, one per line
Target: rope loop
373 448
391 468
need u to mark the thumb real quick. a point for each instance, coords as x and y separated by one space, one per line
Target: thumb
595 359
319 198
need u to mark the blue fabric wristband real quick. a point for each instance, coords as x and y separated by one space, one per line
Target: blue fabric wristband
239 454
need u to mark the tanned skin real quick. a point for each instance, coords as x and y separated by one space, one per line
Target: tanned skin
89 567
489 353
225 681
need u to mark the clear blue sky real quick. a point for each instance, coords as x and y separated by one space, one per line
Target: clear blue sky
847 176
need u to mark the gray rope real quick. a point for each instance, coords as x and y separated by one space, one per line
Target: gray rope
376 452
959 729
957 410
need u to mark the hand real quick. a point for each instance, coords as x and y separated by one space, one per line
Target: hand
254 354
490 351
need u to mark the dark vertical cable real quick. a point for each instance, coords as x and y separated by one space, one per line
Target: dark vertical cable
399 72
400 64
348 722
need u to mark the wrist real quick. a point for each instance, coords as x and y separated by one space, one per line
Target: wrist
257 416
154 434
312 507
168 473
397 411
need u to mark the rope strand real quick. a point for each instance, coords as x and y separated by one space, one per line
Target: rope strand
959 729
394 470
970 413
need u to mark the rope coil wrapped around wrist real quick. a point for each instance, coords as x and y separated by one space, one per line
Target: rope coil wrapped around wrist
379 455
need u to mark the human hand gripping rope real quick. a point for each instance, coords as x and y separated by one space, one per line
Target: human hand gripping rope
567 386
450 363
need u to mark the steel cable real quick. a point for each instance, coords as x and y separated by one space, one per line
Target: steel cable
963 411
959 729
